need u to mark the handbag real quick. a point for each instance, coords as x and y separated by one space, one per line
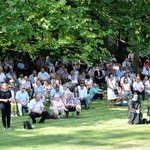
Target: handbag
116 91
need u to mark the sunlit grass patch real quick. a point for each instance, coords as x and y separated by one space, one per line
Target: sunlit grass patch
98 128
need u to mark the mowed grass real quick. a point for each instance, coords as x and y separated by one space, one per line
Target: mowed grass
98 128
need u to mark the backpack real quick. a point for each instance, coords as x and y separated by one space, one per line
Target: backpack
144 121
27 125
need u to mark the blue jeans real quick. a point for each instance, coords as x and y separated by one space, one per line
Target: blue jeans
85 102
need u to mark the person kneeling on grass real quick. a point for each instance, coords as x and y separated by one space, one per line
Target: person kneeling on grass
134 113
36 109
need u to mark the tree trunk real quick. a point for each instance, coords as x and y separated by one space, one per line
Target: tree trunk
136 63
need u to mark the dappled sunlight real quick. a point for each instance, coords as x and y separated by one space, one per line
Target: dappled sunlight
96 129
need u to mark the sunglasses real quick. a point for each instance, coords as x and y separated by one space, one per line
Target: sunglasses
10 87
22 88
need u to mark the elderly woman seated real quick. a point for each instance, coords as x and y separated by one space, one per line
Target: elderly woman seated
134 113
57 107
72 105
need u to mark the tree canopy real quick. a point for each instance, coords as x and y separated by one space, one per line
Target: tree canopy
74 29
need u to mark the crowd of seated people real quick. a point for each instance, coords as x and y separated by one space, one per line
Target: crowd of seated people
66 85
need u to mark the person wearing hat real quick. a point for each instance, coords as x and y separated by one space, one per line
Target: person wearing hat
72 105
134 110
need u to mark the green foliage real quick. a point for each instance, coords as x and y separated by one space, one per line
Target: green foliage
73 29
131 19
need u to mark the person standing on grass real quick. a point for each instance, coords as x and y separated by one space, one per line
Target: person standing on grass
111 83
5 98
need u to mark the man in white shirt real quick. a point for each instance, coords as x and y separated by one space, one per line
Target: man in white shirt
138 87
43 75
83 95
146 71
2 76
126 76
36 109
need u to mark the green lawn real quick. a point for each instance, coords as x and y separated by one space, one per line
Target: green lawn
98 128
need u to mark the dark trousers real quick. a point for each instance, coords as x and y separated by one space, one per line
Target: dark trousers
35 115
141 93
85 102
100 81
96 96
71 109
6 111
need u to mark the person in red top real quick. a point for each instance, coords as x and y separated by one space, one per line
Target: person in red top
147 62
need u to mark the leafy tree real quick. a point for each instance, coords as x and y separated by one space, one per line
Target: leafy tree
74 29
129 20
64 28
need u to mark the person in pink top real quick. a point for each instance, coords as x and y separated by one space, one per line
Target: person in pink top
57 107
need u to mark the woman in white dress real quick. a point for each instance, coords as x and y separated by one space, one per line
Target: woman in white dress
111 83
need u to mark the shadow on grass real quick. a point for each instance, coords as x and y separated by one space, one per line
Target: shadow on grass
96 127
89 138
